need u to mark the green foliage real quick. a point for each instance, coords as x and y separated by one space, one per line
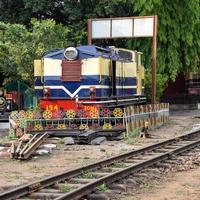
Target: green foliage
19 46
65 188
120 165
86 176
161 83
102 187
178 39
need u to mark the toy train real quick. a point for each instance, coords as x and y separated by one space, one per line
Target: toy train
89 77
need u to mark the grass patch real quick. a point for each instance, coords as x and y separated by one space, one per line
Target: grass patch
149 185
61 141
131 141
64 188
119 165
102 187
86 176
134 133
132 137
12 137
8 138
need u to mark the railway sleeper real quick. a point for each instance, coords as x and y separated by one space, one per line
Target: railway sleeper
50 190
41 195
99 174
165 165
173 162
152 170
70 185
118 187
131 161
81 180
100 196
110 193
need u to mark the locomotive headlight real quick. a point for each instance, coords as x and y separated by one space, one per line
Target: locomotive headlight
71 53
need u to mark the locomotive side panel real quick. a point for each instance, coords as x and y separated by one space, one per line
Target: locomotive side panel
38 74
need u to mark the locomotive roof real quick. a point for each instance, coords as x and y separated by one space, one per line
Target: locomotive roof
88 51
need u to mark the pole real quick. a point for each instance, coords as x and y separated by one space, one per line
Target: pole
89 31
154 47
18 95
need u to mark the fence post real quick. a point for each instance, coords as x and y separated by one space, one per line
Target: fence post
126 123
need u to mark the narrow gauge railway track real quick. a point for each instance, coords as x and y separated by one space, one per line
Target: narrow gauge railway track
84 180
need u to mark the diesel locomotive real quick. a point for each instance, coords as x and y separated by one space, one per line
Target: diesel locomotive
89 77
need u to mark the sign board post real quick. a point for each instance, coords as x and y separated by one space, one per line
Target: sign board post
127 27
154 47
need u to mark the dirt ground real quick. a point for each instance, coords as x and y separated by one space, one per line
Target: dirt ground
14 172
176 186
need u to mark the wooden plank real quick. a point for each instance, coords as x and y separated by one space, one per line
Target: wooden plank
34 146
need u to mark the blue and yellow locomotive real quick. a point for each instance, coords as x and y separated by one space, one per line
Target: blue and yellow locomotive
89 76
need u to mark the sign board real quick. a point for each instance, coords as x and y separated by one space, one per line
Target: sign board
122 27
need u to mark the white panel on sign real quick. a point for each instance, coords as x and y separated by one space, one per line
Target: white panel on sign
143 27
122 27
101 29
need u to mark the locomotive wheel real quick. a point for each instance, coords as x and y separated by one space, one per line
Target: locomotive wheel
29 114
105 112
94 113
22 114
71 114
84 126
117 112
107 126
14 115
62 126
47 114
38 127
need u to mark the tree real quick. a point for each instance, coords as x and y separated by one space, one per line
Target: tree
19 46
178 38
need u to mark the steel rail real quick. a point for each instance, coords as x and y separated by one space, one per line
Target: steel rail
37 185
85 189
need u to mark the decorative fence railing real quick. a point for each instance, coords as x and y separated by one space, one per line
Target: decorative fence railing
136 116
129 118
